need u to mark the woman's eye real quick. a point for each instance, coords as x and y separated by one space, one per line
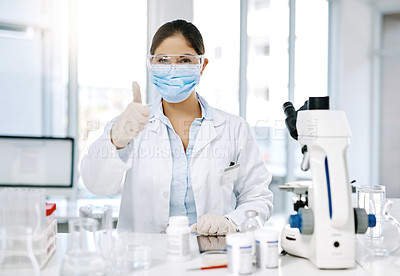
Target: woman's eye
185 60
163 60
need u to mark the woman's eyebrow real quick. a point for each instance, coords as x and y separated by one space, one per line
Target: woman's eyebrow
179 55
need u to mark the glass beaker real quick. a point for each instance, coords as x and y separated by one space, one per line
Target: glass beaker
17 256
384 238
372 199
103 215
389 241
135 247
83 257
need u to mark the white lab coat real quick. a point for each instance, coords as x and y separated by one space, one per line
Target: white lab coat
148 173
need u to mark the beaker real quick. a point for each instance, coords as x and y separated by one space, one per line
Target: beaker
136 249
83 257
389 240
17 256
372 199
384 238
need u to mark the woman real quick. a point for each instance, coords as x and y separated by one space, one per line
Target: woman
181 156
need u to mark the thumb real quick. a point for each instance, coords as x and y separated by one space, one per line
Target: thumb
193 228
137 96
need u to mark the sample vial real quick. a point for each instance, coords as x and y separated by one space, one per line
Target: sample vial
266 248
178 232
239 247
251 224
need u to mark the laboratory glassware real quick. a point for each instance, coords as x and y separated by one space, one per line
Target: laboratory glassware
83 257
388 240
252 221
16 255
134 248
372 199
251 224
103 215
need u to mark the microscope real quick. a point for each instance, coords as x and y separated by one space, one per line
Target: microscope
325 226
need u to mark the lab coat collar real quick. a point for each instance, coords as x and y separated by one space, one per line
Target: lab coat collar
209 129
208 113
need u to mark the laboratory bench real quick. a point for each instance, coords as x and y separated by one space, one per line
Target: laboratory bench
287 265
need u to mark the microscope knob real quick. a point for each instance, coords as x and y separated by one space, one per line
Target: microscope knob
371 220
295 221
303 220
362 221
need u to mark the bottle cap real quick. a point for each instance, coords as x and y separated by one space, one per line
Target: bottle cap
239 239
266 234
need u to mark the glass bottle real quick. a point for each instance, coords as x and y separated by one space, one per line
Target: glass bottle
83 257
249 226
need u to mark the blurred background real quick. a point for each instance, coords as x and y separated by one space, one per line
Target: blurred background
66 68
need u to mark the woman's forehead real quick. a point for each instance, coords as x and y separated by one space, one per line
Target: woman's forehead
175 45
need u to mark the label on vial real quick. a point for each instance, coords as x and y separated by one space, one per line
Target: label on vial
258 254
272 254
240 260
178 245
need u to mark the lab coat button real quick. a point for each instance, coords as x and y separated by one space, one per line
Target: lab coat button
165 194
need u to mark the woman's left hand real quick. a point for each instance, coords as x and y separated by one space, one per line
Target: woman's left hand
212 225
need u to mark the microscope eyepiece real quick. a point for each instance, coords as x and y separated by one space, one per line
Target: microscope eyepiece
288 109
291 117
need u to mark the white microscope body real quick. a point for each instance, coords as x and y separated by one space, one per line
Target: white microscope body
327 226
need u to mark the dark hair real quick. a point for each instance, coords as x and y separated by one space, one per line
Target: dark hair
175 28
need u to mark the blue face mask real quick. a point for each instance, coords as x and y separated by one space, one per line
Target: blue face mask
174 82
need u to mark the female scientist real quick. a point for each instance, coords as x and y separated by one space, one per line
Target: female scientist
181 156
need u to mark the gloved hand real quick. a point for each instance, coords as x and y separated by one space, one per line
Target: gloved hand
131 121
211 225
212 242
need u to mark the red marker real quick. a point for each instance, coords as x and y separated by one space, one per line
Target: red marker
208 267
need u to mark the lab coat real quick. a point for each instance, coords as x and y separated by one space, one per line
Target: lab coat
218 186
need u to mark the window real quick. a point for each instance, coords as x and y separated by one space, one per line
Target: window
267 78
279 66
389 56
111 54
33 67
220 83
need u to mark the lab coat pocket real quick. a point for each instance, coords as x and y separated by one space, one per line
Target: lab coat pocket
230 174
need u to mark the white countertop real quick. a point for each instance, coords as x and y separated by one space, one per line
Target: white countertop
288 265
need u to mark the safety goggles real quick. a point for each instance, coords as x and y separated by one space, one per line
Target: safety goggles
176 60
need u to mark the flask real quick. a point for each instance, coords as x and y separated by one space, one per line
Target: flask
251 224
83 256
178 232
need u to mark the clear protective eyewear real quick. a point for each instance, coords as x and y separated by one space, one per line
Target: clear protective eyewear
174 60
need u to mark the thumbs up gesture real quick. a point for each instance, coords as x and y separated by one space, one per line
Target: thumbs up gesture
131 121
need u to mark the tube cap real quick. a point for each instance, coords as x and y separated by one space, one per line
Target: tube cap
50 208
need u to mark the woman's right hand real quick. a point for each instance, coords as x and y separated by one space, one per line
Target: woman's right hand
131 121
